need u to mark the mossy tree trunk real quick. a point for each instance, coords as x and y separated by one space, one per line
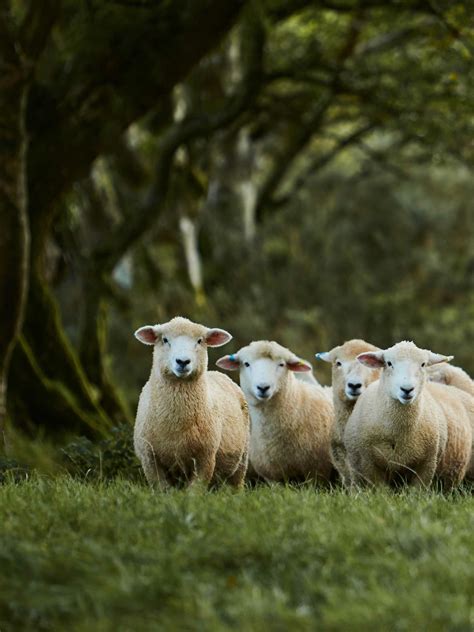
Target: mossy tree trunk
93 343
14 233
70 123
46 363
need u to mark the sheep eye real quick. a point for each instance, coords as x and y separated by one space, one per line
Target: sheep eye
246 364
423 364
199 341
165 341
338 363
389 364
281 364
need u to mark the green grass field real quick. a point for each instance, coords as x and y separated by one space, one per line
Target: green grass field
90 556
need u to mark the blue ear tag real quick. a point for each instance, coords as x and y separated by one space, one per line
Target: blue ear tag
232 357
318 355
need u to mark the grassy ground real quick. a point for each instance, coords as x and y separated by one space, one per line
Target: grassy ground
82 556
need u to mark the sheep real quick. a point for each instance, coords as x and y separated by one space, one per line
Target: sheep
350 378
405 424
452 376
291 421
456 378
192 425
310 378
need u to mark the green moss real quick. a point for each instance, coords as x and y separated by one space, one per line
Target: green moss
50 405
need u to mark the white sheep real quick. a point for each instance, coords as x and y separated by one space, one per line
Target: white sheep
350 378
310 378
291 421
453 376
192 424
404 426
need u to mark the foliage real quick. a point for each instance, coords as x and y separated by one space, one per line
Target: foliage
11 470
80 458
375 257
86 556
107 459
295 170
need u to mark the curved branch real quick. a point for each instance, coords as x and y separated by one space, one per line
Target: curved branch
304 131
84 113
380 158
298 141
389 40
321 161
127 233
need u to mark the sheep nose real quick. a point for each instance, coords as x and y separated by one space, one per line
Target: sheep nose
407 391
263 389
354 387
182 363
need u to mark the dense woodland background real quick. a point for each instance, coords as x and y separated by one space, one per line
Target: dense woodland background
286 169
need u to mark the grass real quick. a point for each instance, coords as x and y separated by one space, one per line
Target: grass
81 556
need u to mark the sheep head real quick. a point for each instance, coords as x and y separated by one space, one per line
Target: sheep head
405 369
180 346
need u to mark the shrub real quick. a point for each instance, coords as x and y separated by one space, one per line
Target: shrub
108 459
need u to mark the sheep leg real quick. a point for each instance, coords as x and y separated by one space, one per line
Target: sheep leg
237 479
203 470
339 459
454 476
424 473
153 471
368 474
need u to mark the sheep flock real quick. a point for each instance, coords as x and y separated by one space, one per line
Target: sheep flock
396 416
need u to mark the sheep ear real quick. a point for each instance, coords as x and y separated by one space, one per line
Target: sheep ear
328 356
372 359
324 355
229 362
148 334
217 337
299 365
436 358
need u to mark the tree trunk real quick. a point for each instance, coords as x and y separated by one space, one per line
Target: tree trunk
65 139
47 356
93 342
39 404
14 233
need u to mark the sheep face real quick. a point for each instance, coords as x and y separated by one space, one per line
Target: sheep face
180 346
350 378
261 378
264 368
405 369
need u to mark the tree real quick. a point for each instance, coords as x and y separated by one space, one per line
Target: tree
108 66
205 137
19 46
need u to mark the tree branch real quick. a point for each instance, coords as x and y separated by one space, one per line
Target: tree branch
36 26
321 161
455 32
100 96
379 158
127 233
302 134
305 131
341 7
386 41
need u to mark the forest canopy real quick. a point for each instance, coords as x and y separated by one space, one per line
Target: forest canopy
291 170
